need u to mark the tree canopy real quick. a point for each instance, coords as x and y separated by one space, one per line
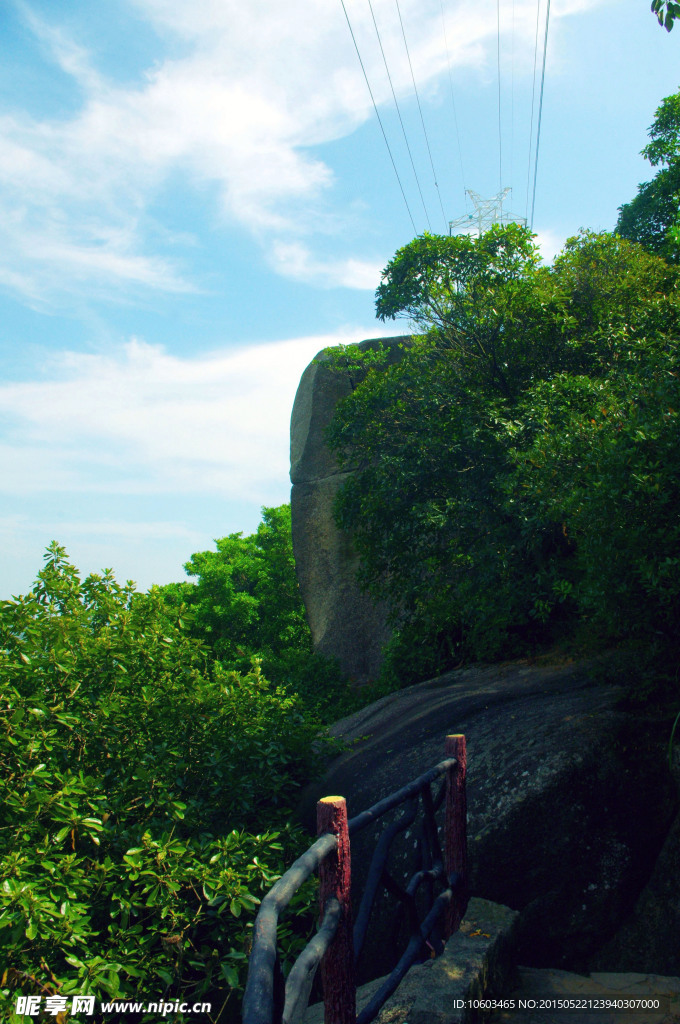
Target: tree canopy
516 467
652 217
139 830
246 603
246 600
667 11
468 290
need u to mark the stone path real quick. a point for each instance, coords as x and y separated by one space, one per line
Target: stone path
537 985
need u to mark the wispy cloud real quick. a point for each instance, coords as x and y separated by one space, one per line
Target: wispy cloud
550 243
144 551
239 95
295 260
140 421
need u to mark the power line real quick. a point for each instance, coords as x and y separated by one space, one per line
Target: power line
368 84
540 111
394 96
498 63
422 119
512 98
453 101
533 96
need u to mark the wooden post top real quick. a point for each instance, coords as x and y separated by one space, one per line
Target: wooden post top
455 746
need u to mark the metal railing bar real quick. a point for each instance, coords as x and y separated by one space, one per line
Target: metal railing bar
394 799
425 840
432 856
439 799
428 874
259 994
430 827
301 977
378 861
408 958
393 887
269 999
414 883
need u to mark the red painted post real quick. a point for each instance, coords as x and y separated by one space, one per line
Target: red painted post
337 966
456 827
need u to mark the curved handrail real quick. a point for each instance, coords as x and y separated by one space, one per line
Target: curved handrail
360 821
301 977
259 994
265 1000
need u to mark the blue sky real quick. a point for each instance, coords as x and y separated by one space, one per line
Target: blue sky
196 198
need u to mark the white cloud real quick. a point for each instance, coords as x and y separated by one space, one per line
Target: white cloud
295 260
146 552
140 421
65 52
550 243
249 88
16 527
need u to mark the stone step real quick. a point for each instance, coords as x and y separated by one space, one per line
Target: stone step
541 988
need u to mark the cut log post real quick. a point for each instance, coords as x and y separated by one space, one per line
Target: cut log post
456 830
337 966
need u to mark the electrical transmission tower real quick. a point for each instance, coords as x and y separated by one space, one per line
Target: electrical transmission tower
486 213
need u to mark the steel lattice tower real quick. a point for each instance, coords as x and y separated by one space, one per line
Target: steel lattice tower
486 213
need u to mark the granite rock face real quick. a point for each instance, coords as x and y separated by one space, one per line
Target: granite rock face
570 807
345 623
642 942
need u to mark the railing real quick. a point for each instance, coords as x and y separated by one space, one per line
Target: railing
337 944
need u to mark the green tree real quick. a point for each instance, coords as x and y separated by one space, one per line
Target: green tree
450 522
652 217
599 461
667 11
246 604
468 291
144 791
246 598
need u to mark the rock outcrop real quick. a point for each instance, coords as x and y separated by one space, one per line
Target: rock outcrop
344 621
642 942
570 803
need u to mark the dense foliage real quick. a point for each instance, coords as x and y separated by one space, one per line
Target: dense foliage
144 792
651 218
246 598
519 469
246 603
667 12
518 482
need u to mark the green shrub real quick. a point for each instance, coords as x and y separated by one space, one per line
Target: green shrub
144 795
246 603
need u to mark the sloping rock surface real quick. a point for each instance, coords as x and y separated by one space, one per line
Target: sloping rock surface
569 802
643 943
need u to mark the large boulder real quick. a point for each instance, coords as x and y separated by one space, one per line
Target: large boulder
345 622
570 801
642 943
